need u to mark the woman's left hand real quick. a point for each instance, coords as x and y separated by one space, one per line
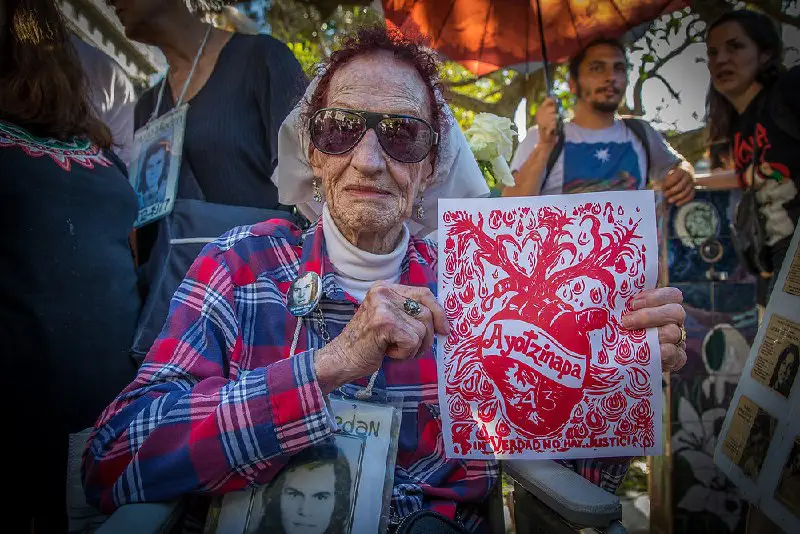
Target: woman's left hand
661 308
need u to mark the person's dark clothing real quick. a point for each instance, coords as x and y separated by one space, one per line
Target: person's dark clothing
768 130
231 138
68 304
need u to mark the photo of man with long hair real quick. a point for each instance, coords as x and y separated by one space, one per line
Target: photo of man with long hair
314 494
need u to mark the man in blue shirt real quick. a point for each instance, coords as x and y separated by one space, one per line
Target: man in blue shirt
598 151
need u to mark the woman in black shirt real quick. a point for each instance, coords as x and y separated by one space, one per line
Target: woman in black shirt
68 297
239 89
239 93
753 107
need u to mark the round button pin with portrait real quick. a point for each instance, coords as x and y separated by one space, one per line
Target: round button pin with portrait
304 294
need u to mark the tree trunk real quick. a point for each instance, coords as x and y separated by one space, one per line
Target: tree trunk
691 145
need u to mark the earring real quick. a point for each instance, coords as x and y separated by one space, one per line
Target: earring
317 192
420 207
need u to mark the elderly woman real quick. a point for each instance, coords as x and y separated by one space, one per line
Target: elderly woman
236 385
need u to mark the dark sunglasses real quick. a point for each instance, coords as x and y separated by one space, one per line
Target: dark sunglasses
406 139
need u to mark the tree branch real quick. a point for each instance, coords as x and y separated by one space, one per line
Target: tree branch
470 81
674 53
471 103
780 16
638 107
672 91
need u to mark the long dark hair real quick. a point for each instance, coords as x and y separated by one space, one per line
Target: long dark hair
42 85
760 29
311 458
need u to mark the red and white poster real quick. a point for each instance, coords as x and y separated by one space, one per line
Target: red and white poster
537 364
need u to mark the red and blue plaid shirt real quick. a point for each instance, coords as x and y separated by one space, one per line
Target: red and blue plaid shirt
220 404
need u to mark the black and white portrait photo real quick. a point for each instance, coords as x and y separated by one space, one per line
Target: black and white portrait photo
757 445
785 371
314 494
342 486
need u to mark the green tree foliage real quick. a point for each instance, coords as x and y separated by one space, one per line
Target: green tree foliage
312 28
312 33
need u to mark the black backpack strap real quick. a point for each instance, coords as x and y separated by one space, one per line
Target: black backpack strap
552 159
638 127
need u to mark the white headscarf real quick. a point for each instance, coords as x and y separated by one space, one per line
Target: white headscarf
456 172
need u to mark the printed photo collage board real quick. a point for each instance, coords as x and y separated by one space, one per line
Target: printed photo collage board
759 444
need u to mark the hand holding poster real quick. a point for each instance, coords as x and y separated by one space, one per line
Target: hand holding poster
538 364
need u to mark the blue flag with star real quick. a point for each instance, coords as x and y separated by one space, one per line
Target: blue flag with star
591 167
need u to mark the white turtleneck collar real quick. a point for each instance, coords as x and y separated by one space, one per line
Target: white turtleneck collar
355 270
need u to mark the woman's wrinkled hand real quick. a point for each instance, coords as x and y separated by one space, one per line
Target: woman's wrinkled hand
661 308
380 327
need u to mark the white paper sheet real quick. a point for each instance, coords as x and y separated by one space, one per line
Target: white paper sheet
537 364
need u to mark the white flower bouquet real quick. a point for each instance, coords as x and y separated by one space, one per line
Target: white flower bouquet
491 140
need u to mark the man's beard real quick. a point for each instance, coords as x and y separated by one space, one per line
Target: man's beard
601 106
605 107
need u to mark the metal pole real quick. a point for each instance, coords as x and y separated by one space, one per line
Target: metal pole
545 63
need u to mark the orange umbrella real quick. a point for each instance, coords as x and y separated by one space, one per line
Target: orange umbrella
485 35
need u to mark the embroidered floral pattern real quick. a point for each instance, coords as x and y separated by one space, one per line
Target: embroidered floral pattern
63 153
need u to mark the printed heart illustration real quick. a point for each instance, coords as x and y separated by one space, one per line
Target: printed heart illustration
540 362
537 360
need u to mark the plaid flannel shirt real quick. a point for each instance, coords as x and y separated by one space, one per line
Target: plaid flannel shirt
220 404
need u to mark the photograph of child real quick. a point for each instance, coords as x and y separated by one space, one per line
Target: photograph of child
155 166
302 296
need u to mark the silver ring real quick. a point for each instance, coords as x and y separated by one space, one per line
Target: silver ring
412 307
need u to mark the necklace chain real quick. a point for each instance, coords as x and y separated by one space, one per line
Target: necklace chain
323 328
165 81
361 394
